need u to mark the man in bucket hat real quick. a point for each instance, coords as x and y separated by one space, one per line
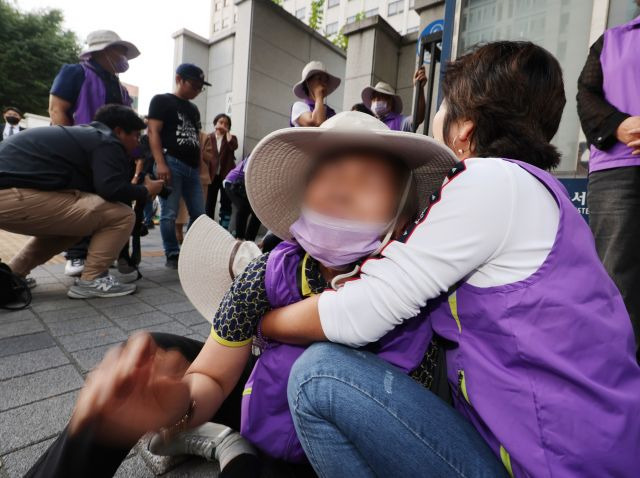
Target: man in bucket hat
79 90
312 89
386 105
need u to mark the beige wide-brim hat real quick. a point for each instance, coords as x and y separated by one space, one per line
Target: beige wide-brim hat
210 258
280 164
385 89
101 39
308 71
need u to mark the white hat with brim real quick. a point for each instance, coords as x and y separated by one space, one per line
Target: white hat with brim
280 164
385 89
102 39
308 71
210 258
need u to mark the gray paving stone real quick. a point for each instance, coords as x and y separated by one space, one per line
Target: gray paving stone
167 297
169 328
58 315
85 340
37 386
127 310
143 320
191 317
56 302
81 324
195 468
175 307
25 343
134 467
7 316
55 287
29 362
21 327
202 329
19 462
32 423
109 303
151 291
87 359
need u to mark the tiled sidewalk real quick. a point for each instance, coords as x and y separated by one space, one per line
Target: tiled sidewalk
46 350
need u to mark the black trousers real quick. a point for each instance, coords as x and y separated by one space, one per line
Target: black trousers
79 249
614 217
247 223
212 199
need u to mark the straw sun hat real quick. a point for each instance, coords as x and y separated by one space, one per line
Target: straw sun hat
210 258
279 164
385 89
308 71
101 39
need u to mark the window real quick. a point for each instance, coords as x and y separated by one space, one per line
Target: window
218 6
301 13
216 26
412 3
226 3
235 17
333 3
331 28
226 23
351 19
395 8
412 29
371 13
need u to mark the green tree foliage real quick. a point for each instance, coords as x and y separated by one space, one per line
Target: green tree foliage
317 12
277 2
33 48
339 39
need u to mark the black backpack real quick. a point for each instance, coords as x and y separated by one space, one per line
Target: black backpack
14 291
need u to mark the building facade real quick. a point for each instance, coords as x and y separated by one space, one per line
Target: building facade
336 14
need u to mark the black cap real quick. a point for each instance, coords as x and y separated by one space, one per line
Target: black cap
189 71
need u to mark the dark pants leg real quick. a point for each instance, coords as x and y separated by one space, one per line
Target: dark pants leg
614 218
82 456
79 250
244 213
212 197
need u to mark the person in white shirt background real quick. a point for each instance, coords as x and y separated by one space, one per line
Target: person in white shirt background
12 117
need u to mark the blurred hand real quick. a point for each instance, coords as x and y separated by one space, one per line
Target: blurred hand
163 172
223 129
420 77
154 186
629 130
319 90
137 388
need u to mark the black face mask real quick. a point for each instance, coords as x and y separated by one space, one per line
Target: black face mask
12 120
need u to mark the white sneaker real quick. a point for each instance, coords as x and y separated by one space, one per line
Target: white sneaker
74 267
106 286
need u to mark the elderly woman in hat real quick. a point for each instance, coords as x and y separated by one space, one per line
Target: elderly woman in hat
386 105
312 90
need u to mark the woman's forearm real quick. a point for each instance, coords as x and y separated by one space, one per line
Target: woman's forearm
207 394
297 323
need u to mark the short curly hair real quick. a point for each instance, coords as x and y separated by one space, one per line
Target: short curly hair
514 94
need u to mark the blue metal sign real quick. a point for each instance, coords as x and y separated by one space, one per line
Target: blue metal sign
577 189
434 26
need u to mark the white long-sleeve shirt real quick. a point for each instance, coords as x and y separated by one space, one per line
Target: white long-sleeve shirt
494 224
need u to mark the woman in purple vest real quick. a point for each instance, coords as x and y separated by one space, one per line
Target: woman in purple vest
609 109
540 356
312 89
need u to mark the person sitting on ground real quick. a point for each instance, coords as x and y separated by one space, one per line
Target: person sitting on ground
338 197
386 105
314 87
80 174
12 117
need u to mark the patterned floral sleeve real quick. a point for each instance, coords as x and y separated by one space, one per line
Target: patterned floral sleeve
243 306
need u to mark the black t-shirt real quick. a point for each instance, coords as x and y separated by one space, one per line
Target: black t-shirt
180 129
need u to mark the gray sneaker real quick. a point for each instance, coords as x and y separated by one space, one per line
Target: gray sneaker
211 441
106 286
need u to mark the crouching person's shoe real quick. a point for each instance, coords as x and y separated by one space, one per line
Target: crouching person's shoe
105 286
211 441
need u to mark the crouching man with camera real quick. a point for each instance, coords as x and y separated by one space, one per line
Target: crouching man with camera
59 184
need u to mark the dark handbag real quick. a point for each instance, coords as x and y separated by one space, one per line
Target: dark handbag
14 291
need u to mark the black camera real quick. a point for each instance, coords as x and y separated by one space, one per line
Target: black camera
166 190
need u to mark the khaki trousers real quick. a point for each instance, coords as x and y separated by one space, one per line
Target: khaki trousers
59 219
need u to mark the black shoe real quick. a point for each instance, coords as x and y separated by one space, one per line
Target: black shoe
172 262
150 225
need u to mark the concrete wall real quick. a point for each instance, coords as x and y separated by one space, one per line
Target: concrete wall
192 48
220 75
271 48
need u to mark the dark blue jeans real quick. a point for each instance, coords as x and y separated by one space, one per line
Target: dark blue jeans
185 182
359 416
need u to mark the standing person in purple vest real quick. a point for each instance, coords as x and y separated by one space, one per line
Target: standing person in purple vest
609 109
314 87
541 355
386 105
79 90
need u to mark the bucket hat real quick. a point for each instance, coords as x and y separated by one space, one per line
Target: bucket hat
101 39
280 163
385 89
308 71
210 258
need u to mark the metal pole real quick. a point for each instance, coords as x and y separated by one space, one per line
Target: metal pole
430 79
416 88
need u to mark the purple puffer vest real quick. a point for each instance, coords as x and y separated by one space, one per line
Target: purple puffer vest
93 95
236 175
266 420
312 104
620 62
545 367
394 121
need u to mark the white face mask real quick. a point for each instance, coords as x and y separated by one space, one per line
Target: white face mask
380 108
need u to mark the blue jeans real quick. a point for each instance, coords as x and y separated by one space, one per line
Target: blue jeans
359 416
185 182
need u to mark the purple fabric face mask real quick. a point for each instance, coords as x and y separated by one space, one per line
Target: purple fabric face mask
334 242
